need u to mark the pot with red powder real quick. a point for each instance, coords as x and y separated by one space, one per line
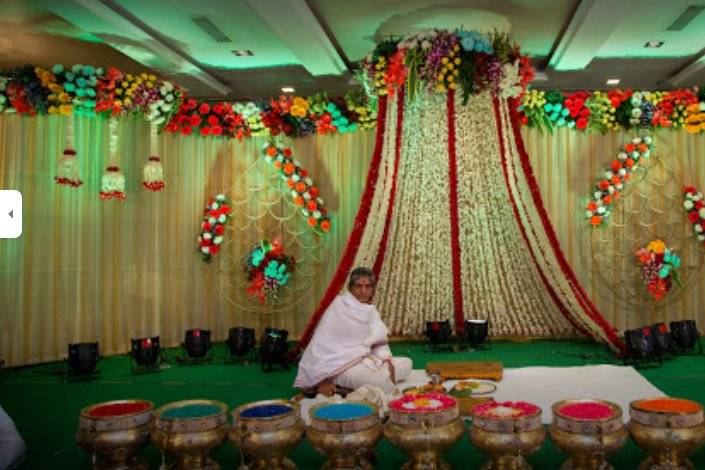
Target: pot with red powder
587 430
114 431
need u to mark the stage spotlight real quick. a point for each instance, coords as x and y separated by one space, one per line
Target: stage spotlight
146 351
438 332
641 344
240 340
685 334
662 339
83 358
476 331
273 348
197 343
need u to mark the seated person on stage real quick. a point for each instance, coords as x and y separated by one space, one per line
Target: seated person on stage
349 348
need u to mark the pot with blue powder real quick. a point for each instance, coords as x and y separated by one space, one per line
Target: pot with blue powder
265 432
345 432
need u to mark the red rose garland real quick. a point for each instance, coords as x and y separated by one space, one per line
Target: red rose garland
215 215
695 206
610 184
303 191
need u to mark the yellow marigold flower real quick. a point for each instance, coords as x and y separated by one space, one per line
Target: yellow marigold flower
127 101
143 75
444 60
456 48
118 91
152 77
450 78
692 128
453 86
440 88
124 84
149 84
55 88
451 66
53 110
456 72
64 97
456 61
66 109
656 246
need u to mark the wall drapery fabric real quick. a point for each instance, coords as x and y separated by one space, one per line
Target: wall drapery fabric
87 270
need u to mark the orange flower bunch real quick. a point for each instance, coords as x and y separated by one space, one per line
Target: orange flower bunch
304 192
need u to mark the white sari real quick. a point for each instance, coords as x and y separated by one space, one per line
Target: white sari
348 332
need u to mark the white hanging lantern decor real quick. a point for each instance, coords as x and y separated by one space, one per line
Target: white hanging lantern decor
153 172
112 183
67 166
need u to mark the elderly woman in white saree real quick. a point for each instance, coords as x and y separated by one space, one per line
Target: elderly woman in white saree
349 347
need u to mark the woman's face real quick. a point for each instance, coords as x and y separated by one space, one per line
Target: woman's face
363 289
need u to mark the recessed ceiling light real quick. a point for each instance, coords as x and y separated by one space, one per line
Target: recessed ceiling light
653 44
288 89
613 81
243 52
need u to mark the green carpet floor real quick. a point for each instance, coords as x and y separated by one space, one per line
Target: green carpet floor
45 405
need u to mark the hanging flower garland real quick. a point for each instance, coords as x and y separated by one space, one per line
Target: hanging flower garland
268 269
112 183
215 215
695 206
304 192
67 167
658 268
611 183
153 172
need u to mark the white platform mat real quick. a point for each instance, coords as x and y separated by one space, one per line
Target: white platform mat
544 386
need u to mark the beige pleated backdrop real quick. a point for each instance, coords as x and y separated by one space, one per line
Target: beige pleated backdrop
92 270
567 163
87 270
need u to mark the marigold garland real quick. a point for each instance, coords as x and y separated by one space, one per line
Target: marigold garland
303 191
611 182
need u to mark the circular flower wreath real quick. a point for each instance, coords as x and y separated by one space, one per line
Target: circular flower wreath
658 268
215 215
304 192
268 269
611 182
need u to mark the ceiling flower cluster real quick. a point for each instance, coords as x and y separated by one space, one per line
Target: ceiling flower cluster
442 60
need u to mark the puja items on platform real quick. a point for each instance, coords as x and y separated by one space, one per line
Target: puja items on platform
506 432
114 431
345 433
189 431
669 429
265 432
424 426
587 430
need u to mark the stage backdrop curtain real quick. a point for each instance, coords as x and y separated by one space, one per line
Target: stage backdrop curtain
567 164
92 270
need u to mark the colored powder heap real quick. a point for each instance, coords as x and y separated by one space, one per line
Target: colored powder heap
119 409
191 411
343 411
265 411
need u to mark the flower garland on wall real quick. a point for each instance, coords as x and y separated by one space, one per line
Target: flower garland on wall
268 269
601 111
611 182
304 192
695 206
88 90
215 215
443 60
658 268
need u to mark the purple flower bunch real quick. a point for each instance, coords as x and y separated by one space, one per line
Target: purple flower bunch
442 44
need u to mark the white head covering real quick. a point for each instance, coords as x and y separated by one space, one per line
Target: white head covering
345 335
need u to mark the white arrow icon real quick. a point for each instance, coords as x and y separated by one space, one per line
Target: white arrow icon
10 204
